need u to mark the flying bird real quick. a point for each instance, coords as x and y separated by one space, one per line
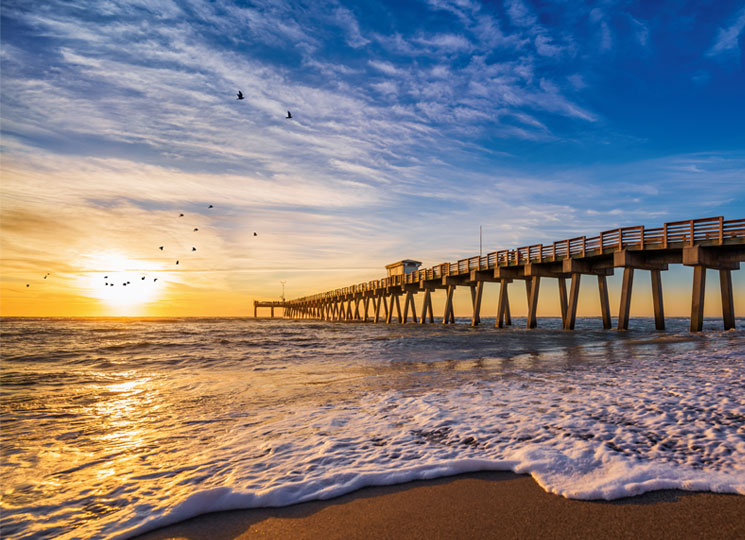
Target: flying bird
176 262
143 277
106 277
181 215
256 234
45 277
161 248
289 115
193 249
27 285
210 206
156 279
240 94
195 229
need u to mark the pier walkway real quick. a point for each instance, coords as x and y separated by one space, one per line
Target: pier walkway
709 243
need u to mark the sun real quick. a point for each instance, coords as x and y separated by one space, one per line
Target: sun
124 284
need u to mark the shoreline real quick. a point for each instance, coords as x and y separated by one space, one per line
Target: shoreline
472 506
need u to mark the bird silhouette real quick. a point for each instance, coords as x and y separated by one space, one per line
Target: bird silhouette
210 206
161 248
256 234
143 277
156 279
195 229
181 215
106 277
193 249
27 285
45 277
289 115
176 262
240 94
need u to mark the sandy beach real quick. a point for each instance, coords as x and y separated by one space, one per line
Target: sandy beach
478 505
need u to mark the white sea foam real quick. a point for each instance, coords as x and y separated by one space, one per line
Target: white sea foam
583 434
606 420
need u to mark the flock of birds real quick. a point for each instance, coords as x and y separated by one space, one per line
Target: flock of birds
108 283
162 248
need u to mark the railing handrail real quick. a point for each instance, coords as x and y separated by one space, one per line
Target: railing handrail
685 232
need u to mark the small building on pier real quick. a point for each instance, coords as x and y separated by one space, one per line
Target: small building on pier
407 266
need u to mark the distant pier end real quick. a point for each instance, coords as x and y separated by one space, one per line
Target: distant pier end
271 305
708 243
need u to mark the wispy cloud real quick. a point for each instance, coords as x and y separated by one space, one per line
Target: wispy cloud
727 40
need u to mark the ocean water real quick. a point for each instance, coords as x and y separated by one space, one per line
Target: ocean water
112 427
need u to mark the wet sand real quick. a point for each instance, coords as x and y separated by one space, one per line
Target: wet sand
475 506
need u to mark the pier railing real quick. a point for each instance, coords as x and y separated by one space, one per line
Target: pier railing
676 234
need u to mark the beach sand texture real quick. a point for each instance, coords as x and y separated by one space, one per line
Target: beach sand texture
474 506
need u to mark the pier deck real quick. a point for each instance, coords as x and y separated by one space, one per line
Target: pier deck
708 243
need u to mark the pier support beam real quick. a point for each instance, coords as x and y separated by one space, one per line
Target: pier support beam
503 307
448 317
728 305
427 307
659 310
409 302
477 290
532 286
563 300
625 307
697 298
604 303
571 315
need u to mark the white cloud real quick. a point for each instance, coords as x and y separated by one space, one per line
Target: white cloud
346 19
520 14
446 42
727 38
385 67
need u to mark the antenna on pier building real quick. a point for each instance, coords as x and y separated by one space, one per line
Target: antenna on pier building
283 290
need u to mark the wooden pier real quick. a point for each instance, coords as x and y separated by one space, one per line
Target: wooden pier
709 243
271 305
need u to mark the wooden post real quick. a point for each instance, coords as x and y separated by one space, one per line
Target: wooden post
377 301
507 317
563 299
572 307
502 305
357 309
398 308
384 299
624 309
365 307
659 310
604 304
476 294
406 308
447 316
426 305
255 310
697 297
728 305
533 301
429 312
413 306
272 311
389 312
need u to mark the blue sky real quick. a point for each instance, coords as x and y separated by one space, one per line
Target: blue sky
413 124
